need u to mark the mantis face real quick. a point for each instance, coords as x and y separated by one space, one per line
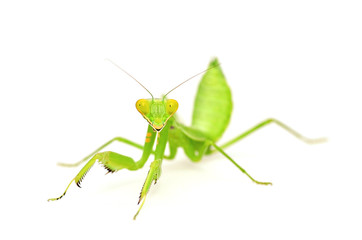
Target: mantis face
157 111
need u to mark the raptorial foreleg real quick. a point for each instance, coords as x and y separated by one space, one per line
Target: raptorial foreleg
110 160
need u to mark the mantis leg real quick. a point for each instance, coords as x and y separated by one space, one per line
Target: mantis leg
114 161
155 168
111 161
197 157
153 175
195 149
267 122
238 166
119 139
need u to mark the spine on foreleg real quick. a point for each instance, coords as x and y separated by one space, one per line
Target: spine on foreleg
213 103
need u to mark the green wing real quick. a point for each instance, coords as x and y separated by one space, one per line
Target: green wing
213 103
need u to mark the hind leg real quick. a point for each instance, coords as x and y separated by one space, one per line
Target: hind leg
268 122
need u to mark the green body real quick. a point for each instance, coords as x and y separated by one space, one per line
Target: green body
211 116
213 104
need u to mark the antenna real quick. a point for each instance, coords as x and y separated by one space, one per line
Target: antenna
191 78
107 59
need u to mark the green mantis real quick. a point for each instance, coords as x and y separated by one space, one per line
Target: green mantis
211 116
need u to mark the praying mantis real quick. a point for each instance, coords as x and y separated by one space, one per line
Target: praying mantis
211 115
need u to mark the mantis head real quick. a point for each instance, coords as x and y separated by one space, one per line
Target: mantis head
157 111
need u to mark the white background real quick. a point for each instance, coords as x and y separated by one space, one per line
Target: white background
298 61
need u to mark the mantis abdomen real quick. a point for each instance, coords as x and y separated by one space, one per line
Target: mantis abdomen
213 104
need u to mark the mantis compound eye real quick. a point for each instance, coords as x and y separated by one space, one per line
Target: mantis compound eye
171 106
143 106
